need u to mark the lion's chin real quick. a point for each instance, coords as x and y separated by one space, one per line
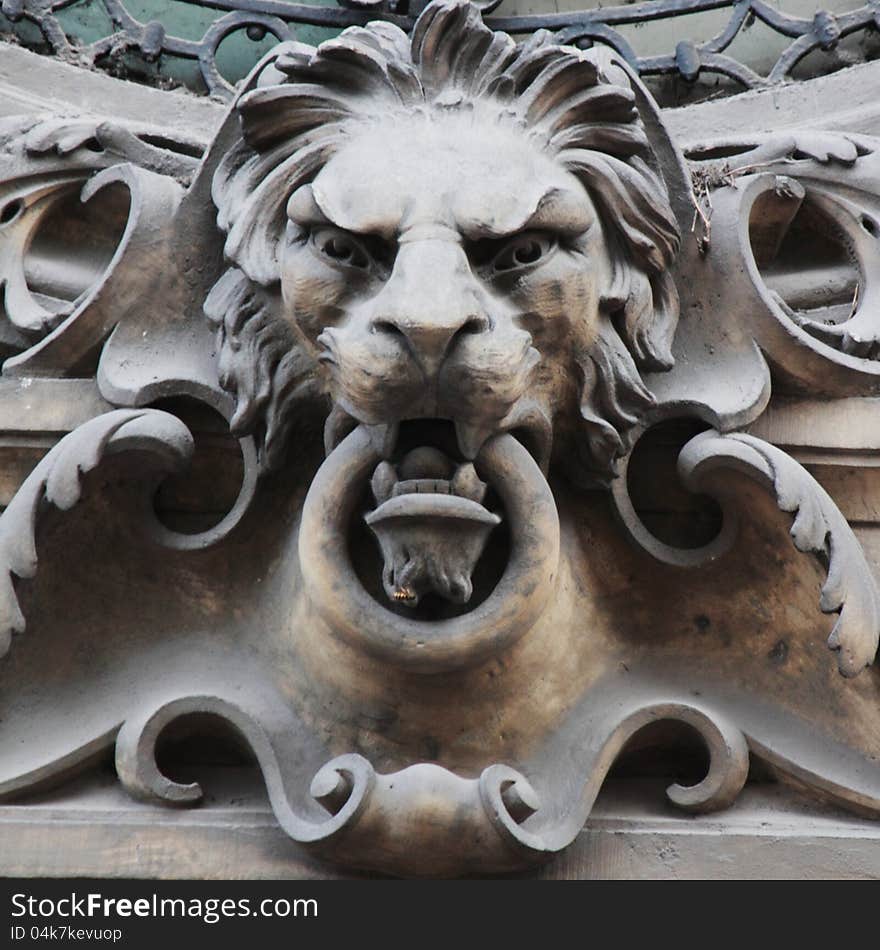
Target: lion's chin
431 544
430 520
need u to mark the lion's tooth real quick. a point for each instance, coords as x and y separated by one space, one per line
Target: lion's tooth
338 425
384 437
467 484
383 481
471 438
533 419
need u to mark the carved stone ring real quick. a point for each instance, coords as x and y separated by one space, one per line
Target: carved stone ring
508 612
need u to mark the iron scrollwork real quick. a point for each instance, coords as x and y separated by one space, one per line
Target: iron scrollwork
688 60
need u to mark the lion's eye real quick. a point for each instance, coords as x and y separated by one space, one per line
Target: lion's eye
364 251
341 247
522 251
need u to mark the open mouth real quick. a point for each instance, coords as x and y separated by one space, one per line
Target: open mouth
458 440
424 552
432 519
427 460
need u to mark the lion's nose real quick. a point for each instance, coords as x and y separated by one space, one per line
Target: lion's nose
431 341
429 303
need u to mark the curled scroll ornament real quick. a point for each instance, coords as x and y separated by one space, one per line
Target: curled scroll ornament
780 181
819 528
57 480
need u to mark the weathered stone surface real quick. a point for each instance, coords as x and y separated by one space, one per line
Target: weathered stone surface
92 829
433 317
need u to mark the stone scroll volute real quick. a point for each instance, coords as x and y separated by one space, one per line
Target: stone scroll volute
435 291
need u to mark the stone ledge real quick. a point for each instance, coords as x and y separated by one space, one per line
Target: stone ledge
91 828
31 83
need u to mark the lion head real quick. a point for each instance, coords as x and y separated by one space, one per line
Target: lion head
445 226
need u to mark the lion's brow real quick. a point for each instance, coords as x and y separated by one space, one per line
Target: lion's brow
565 211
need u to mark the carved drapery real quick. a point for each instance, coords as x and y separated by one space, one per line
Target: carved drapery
432 607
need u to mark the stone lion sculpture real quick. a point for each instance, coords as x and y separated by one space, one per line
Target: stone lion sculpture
454 254
451 227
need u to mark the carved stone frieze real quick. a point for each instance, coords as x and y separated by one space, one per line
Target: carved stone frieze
412 323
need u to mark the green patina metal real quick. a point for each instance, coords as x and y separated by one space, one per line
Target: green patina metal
685 49
85 21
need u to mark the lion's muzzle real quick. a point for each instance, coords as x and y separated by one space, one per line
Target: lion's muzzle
433 364
432 342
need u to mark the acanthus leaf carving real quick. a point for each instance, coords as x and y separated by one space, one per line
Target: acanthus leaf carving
57 480
818 528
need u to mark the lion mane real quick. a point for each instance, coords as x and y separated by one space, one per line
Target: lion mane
577 105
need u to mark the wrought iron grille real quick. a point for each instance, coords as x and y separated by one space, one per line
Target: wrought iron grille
688 60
